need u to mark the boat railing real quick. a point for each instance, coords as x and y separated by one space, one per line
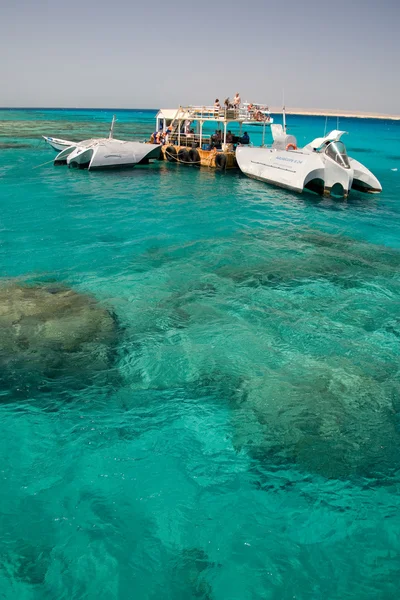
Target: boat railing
256 113
187 139
205 142
250 106
209 113
246 112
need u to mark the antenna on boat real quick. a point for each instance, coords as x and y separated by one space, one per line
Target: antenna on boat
112 128
326 123
283 111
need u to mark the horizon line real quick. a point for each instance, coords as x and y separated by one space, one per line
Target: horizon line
310 112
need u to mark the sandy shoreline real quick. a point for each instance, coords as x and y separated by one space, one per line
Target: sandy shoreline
335 113
309 112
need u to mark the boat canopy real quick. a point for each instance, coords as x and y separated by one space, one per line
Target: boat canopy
170 114
333 136
167 113
167 116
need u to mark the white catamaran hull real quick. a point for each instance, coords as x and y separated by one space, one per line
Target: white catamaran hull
322 166
107 153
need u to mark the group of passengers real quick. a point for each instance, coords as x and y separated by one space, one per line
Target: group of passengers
254 112
159 137
217 139
235 103
163 137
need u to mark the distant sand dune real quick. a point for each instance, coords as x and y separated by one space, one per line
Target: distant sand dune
318 112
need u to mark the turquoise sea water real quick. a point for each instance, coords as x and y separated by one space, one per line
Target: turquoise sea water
245 444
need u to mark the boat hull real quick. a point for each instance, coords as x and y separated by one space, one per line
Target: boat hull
295 170
109 154
364 180
259 123
58 144
61 158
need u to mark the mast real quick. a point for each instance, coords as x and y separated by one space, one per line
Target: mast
283 110
112 128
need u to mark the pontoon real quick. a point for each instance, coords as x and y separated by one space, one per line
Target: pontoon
201 135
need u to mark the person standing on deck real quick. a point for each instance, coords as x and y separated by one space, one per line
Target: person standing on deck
168 133
237 101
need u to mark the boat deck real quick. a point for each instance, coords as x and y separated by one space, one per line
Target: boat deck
186 139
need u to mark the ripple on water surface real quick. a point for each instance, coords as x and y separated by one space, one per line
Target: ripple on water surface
246 441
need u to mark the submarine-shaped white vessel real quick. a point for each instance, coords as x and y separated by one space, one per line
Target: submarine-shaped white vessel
322 166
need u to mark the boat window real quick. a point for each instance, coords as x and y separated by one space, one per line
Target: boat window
337 152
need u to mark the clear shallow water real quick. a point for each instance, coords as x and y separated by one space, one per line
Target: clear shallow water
246 442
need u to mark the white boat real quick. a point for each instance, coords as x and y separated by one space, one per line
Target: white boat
58 144
322 166
107 153
255 114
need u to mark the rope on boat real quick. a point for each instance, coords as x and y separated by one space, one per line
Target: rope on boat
213 155
183 162
195 162
45 163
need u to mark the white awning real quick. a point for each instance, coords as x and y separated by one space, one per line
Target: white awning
171 113
167 113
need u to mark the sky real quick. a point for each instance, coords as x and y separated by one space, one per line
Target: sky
341 54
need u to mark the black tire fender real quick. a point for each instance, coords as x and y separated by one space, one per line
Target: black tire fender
220 161
194 156
170 154
183 156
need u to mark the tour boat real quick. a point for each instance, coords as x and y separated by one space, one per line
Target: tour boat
322 166
200 135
